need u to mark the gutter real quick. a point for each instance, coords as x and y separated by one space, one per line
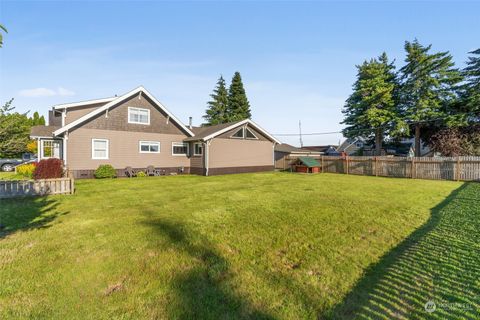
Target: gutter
207 147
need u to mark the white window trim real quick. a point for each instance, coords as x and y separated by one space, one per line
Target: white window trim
182 144
243 130
134 122
42 148
245 134
107 149
197 154
149 143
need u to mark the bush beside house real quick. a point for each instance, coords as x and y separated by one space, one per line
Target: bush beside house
26 170
48 169
105 171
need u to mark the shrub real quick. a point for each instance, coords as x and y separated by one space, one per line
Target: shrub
141 174
48 169
26 170
105 171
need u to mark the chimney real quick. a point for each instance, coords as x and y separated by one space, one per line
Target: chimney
190 122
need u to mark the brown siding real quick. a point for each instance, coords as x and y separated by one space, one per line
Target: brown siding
88 174
199 171
78 112
118 119
229 153
195 161
123 150
54 118
232 170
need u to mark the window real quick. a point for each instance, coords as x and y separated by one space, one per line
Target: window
99 149
197 149
238 134
138 116
149 147
179 148
50 149
249 134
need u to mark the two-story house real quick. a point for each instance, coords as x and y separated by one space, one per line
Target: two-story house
136 130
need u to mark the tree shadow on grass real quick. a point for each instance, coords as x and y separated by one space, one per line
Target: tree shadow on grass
203 289
439 262
22 214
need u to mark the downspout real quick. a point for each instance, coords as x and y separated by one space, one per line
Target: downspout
64 152
207 145
273 155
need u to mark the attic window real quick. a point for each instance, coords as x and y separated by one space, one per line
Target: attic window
138 116
249 134
239 134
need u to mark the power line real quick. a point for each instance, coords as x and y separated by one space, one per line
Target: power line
361 130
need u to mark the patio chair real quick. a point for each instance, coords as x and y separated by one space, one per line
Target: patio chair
129 172
151 171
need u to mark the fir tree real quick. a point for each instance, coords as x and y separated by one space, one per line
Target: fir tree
428 86
238 105
371 110
2 29
472 86
217 108
36 120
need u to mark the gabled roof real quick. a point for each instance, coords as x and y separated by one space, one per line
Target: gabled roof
286 148
210 132
348 142
320 148
83 103
42 131
115 102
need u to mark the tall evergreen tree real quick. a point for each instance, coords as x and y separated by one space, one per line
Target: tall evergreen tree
428 86
36 120
2 29
371 109
14 131
238 105
472 86
217 108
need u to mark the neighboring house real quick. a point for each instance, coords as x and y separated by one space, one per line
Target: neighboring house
282 151
328 150
352 146
136 130
402 148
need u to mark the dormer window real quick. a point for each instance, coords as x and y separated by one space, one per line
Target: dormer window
239 134
244 133
249 134
138 116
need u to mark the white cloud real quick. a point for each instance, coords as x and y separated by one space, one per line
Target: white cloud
45 92
65 92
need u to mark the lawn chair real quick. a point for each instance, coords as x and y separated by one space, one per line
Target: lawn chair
151 171
129 172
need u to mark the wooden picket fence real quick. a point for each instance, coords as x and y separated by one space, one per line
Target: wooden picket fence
435 168
22 188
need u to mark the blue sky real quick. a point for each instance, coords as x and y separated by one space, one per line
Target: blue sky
297 59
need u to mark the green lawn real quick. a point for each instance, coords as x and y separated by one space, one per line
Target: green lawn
10 176
263 246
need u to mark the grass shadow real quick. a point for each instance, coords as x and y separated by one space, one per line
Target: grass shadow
27 213
439 262
202 290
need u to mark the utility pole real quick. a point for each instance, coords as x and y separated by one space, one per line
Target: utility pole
300 128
